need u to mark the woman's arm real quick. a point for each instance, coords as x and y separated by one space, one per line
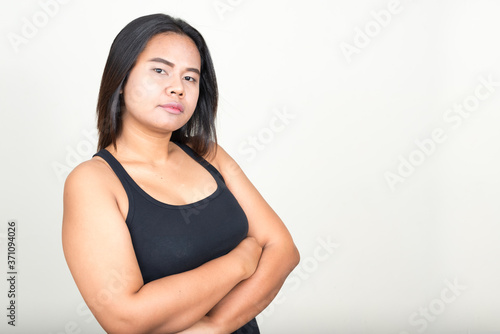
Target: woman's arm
100 255
279 256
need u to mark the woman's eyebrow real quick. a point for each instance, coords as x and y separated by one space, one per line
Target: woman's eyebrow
168 63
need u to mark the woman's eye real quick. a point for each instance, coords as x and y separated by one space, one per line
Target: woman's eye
188 78
159 71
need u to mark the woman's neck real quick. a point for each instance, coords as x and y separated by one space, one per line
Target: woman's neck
134 143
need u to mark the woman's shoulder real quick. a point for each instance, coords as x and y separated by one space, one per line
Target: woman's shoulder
225 164
94 173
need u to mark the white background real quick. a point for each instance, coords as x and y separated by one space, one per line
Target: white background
352 119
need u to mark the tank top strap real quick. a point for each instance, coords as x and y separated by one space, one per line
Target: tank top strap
120 172
208 166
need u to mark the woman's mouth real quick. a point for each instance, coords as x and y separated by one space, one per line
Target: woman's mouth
173 108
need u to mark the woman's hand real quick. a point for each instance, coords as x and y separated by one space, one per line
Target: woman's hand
248 252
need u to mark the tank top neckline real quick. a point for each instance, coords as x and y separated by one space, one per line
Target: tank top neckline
208 166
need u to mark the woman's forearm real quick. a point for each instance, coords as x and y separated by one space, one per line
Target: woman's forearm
253 295
178 301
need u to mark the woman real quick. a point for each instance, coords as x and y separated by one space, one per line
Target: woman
162 231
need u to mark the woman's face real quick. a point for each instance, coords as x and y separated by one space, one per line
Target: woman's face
163 87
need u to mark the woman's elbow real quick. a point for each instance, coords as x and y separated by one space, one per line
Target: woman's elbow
120 322
294 257
120 319
140 321
289 254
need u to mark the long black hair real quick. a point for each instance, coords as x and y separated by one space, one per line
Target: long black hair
199 131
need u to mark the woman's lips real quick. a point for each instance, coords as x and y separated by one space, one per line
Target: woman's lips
173 108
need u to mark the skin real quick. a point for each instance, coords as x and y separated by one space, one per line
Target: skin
221 295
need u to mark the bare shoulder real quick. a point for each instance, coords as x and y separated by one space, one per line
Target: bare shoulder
90 206
221 156
225 164
90 184
90 173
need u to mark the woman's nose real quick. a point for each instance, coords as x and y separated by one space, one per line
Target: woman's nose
175 87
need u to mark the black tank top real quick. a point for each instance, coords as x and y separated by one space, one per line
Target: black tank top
170 239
